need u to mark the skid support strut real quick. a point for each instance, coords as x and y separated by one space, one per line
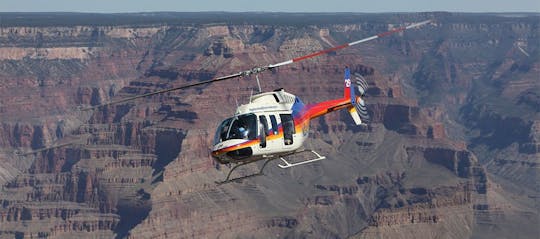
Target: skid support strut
229 180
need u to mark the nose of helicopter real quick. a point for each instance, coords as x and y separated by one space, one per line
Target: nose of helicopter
220 156
232 150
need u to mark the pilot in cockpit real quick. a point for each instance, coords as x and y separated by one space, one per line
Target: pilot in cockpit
243 132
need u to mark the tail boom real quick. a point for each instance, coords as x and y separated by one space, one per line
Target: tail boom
322 108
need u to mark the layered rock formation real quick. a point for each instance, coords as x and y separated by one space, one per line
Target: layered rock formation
451 151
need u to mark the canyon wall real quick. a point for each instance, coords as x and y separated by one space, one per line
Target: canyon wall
450 152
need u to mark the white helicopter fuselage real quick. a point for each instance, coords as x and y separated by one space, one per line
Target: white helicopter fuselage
269 125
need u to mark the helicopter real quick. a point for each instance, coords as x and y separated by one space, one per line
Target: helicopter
275 125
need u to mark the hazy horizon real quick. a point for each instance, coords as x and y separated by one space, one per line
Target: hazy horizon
314 6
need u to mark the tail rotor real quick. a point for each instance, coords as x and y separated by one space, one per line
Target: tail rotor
358 109
359 103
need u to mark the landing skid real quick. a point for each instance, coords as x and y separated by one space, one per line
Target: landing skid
229 180
286 165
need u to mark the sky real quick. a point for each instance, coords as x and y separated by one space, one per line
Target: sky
111 6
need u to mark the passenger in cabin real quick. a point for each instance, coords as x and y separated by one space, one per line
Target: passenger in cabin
243 132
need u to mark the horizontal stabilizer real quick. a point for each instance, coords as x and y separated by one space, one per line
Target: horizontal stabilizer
354 115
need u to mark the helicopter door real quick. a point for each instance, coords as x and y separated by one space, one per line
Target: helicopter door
263 130
288 128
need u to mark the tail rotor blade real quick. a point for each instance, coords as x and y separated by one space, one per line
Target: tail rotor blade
361 107
361 84
361 104
362 112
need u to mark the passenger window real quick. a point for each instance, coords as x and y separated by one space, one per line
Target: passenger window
273 121
288 128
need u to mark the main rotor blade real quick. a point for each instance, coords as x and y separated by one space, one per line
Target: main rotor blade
165 91
257 70
326 51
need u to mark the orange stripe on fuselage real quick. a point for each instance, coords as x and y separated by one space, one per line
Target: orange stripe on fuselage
235 147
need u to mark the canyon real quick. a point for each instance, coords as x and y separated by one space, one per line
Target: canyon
452 149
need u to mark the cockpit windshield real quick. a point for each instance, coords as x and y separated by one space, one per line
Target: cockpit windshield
239 127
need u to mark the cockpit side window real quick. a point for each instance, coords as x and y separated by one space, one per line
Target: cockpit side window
239 127
223 129
243 127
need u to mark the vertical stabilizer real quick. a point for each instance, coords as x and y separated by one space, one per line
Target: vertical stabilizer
348 88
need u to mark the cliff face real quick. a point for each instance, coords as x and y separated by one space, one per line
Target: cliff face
436 160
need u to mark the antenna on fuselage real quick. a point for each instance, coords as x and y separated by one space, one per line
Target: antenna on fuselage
258 83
